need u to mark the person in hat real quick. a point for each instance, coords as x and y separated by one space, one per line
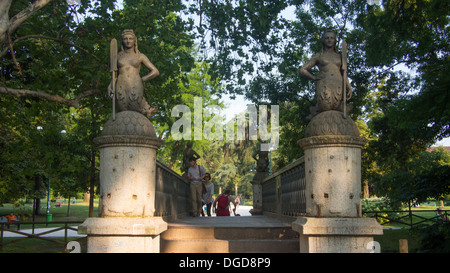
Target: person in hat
196 173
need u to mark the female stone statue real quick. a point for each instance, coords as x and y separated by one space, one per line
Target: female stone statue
129 85
330 79
188 153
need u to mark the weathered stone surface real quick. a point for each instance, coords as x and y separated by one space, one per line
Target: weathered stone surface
129 123
334 174
123 226
257 192
127 188
332 141
336 235
331 123
127 181
123 244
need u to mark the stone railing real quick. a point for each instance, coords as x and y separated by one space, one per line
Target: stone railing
172 193
283 193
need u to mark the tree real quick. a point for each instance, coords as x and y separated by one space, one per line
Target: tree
55 68
36 38
9 25
225 176
425 176
414 107
197 85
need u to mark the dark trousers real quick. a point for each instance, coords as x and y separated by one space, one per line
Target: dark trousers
208 209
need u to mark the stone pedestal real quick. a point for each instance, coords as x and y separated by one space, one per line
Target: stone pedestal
332 166
123 234
332 148
336 235
257 192
333 175
127 188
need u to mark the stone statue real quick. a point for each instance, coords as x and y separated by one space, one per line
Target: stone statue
331 78
262 160
187 154
128 89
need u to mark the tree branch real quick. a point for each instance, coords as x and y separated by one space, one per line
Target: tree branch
42 95
11 49
20 17
59 40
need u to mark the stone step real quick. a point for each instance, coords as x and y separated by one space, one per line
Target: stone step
229 246
229 235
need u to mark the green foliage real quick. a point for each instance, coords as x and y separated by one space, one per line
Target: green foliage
426 176
379 204
63 51
409 122
434 238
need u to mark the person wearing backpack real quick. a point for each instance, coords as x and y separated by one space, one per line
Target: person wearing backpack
196 173
222 204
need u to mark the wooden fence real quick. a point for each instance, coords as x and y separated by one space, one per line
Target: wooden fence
408 218
66 226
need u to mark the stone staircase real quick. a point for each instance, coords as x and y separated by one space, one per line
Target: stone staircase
247 234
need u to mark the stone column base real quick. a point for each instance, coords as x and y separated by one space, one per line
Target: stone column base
336 235
256 211
123 234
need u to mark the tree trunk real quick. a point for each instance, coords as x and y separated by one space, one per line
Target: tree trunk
366 189
86 197
68 208
37 187
174 155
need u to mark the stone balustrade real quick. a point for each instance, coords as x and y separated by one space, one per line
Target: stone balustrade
283 193
172 194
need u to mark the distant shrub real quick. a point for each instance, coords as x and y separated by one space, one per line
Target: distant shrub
378 204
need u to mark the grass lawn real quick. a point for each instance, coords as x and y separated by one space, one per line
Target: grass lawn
41 246
78 212
389 241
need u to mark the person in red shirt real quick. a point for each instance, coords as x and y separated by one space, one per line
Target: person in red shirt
222 204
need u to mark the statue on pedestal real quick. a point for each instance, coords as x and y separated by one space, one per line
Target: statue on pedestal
188 153
262 160
127 87
332 80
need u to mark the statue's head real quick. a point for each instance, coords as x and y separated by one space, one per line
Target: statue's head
329 39
130 33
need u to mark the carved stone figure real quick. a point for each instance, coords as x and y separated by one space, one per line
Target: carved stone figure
187 154
330 81
262 160
129 86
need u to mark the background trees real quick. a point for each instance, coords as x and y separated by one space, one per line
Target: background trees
398 59
54 74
